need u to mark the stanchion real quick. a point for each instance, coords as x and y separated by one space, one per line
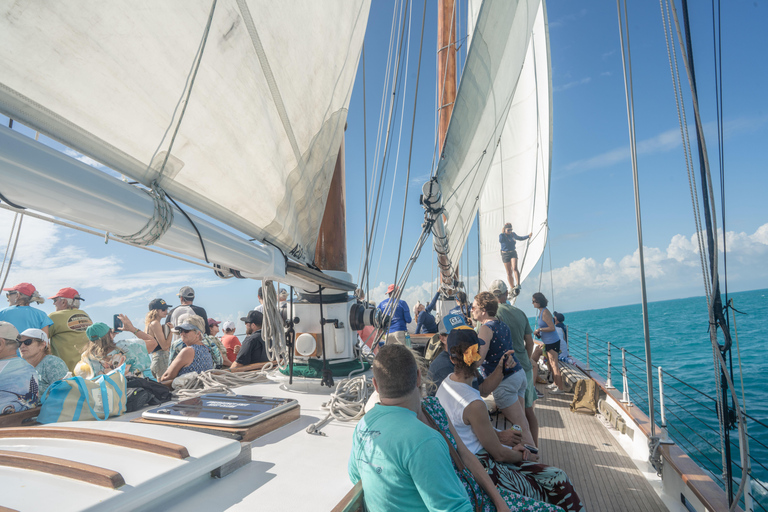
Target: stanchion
625 395
587 367
664 435
608 383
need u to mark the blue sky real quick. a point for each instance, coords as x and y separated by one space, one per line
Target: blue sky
592 219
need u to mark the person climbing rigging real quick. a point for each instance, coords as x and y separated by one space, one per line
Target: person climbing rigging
508 239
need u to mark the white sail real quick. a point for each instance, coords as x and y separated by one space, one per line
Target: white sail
266 107
517 188
490 78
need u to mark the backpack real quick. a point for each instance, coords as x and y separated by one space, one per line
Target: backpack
585 395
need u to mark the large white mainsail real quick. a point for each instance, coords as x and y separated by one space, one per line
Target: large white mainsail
492 74
263 113
517 188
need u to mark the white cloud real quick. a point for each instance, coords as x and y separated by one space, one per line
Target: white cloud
574 83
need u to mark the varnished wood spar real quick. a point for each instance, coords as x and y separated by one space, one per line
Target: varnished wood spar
446 65
6 509
19 419
62 467
131 441
331 248
353 501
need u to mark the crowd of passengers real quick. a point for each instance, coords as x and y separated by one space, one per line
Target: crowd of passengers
427 441
38 349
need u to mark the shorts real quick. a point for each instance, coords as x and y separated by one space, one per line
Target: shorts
506 256
510 390
530 390
159 363
553 346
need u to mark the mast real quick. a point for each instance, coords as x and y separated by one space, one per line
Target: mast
331 248
446 65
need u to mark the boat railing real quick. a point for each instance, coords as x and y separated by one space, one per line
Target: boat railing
688 414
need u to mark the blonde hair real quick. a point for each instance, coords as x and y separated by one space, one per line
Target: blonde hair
154 314
100 348
24 300
195 320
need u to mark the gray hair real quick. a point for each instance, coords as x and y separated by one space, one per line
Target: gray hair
193 319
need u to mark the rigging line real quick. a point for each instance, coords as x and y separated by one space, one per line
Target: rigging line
13 251
8 246
686 143
720 135
199 236
396 73
413 125
365 169
551 280
403 93
102 236
188 89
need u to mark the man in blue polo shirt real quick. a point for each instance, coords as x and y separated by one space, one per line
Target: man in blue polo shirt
400 316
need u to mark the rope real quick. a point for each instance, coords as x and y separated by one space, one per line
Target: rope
20 217
273 331
195 384
158 224
347 402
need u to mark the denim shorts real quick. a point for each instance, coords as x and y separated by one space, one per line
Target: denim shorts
506 256
511 390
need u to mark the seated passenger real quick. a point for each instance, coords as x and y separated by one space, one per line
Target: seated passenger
509 468
35 348
230 341
103 354
253 350
212 343
194 357
18 378
441 366
403 463
19 313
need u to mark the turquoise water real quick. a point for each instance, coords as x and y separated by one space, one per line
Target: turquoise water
680 344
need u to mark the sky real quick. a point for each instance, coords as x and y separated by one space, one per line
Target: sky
591 261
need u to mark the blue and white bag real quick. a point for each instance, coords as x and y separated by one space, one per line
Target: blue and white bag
79 399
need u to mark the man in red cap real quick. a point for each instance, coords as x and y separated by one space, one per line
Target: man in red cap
67 334
400 316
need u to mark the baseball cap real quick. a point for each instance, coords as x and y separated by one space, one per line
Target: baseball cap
158 304
461 334
187 293
558 316
67 293
97 330
228 326
186 327
441 327
452 321
8 331
24 288
253 317
38 333
498 287
212 322
390 288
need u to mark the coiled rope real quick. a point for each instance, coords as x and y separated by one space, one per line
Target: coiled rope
273 331
194 384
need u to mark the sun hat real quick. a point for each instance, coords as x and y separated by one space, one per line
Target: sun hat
37 334
97 331
67 293
8 331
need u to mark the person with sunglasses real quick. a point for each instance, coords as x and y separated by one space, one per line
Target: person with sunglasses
20 313
18 378
194 357
67 333
103 354
35 348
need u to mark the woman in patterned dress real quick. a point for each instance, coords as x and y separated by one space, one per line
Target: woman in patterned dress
512 469
194 357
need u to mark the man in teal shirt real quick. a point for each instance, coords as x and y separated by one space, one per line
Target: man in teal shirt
522 341
403 463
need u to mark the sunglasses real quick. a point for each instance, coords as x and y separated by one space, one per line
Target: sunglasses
182 331
28 341
10 293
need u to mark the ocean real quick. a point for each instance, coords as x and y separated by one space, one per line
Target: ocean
680 344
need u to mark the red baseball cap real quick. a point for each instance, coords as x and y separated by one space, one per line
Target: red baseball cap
390 288
25 288
67 293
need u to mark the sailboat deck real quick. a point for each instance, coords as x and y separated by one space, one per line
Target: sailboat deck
602 473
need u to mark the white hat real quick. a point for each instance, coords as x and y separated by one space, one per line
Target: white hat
498 287
38 334
228 326
8 331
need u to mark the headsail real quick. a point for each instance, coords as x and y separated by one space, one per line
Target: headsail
263 113
486 96
517 188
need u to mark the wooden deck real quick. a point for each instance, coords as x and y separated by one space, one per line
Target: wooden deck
602 473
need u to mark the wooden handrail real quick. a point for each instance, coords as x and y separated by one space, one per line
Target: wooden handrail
132 441
352 501
62 467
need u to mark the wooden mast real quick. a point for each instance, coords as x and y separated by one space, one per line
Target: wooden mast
331 248
446 65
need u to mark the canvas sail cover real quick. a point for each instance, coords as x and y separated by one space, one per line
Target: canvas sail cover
517 188
263 113
493 126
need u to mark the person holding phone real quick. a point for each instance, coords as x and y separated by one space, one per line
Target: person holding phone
161 336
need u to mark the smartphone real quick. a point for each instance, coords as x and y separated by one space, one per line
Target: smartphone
118 324
531 449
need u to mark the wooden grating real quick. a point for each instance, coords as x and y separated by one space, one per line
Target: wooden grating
131 441
603 474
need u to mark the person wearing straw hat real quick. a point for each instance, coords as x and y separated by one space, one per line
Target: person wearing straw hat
67 333
18 378
35 348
